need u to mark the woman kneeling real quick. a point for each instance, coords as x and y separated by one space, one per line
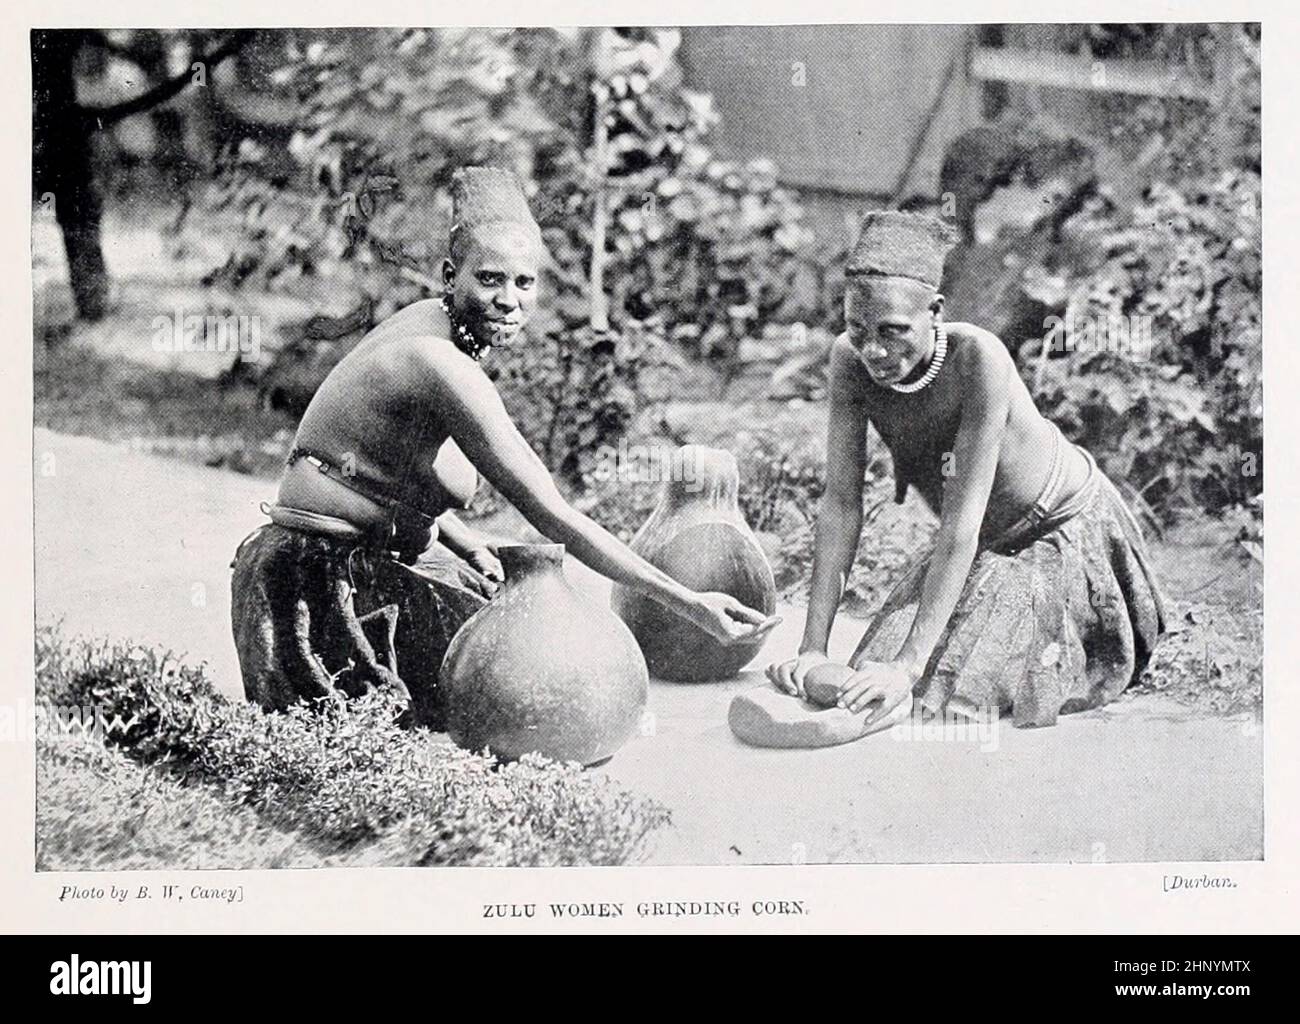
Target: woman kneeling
1038 598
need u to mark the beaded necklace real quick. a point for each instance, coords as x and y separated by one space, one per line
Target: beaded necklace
936 363
464 337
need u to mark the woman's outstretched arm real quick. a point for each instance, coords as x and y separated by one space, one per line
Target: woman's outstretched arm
479 423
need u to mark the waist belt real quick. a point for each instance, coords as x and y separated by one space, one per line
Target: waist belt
1051 509
358 483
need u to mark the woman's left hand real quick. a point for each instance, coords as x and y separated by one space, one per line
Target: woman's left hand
889 682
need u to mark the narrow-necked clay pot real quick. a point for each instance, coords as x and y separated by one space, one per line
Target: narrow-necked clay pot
541 668
698 536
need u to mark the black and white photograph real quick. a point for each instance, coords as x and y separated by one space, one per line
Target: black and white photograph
668 446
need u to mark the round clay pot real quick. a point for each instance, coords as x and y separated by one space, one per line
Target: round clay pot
542 669
697 536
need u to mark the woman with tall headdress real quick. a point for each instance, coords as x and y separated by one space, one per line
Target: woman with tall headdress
1038 598
364 574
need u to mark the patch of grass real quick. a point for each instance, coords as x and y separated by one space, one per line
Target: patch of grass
344 775
98 810
1212 659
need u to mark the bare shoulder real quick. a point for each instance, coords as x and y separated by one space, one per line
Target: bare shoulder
414 340
420 317
443 367
978 354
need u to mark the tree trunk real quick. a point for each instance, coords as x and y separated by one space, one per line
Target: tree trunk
62 166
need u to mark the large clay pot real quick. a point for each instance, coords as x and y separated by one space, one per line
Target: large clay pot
698 537
541 668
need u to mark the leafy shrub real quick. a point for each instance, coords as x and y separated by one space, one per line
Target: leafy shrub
1187 424
570 392
781 454
346 773
780 486
781 482
620 506
779 451
1174 237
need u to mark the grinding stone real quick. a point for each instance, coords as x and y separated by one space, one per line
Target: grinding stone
765 717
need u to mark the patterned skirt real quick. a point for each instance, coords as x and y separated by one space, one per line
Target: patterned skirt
314 615
1059 614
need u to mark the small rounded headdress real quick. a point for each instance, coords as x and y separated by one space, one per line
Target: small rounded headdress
898 244
489 195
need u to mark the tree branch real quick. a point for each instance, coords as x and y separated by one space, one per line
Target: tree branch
101 116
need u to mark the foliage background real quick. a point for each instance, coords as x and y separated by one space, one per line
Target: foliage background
1177 238
332 151
705 254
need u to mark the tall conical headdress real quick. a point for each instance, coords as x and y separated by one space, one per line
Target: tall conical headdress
489 195
898 244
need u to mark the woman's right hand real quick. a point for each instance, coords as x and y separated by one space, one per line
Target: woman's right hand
788 676
729 621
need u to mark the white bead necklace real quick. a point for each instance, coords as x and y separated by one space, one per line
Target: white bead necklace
936 363
465 339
